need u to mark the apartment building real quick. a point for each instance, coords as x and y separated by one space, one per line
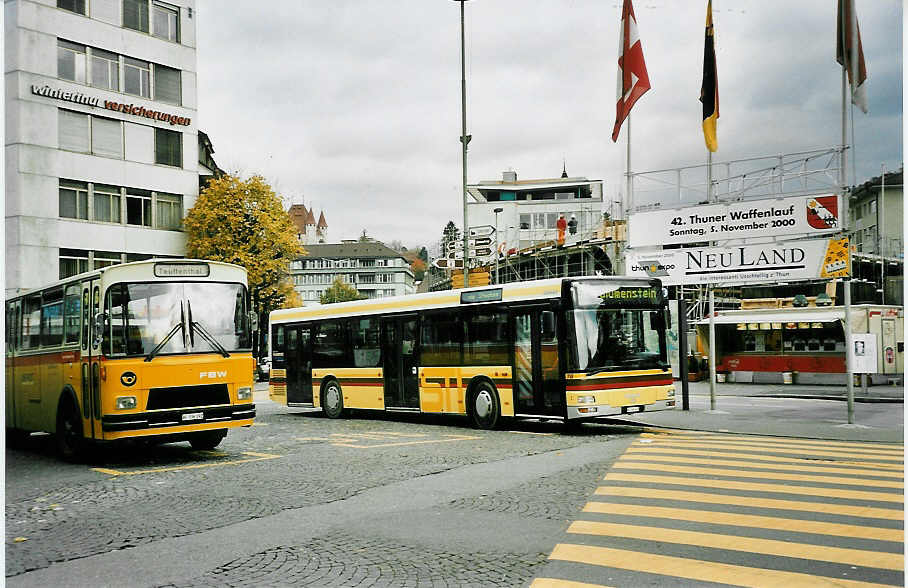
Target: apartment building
374 269
101 134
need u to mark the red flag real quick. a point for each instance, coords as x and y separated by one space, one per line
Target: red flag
847 20
633 81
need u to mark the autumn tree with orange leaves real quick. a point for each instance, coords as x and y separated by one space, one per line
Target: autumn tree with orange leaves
244 222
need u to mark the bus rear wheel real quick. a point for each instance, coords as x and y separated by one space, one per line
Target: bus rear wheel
333 400
485 408
207 439
69 441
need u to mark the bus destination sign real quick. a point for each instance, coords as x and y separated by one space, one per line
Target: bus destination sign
181 270
630 296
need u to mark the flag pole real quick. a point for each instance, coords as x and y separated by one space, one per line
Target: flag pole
846 283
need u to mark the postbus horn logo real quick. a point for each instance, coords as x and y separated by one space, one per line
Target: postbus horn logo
128 379
823 212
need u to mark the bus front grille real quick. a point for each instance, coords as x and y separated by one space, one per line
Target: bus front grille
187 396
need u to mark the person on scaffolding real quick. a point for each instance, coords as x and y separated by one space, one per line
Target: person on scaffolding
562 226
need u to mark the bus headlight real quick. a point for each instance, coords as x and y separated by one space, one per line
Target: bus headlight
244 393
586 400
125 402
671 392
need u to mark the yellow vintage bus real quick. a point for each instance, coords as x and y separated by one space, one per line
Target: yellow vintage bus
158 349
564 348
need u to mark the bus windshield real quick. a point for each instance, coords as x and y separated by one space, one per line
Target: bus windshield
198 317
617 328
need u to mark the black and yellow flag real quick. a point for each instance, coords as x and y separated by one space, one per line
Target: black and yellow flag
709 91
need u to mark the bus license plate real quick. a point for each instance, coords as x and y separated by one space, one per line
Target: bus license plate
193 416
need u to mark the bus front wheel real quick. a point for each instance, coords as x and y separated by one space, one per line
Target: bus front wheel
207 439
69 440
484 406
333 400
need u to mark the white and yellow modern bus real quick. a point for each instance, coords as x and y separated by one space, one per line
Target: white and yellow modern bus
157 349
565 348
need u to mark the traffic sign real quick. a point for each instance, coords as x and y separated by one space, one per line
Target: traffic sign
480 241
482 231
472 242
481 251
445 263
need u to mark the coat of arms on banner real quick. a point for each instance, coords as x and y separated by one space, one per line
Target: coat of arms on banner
823 212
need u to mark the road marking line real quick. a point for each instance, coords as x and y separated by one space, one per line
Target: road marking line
854 557
868 512
792 448
403 443
255 457
648 449
830 479
638 457
534 433
743 520
555 583
758 487
704 571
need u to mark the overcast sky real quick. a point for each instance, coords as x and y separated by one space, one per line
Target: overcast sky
353 107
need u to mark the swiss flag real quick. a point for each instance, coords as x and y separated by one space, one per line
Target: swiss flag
633 81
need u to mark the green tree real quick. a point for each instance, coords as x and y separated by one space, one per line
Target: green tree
424 255
450 235
341 291
244 222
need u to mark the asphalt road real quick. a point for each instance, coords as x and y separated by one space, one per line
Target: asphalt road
376 500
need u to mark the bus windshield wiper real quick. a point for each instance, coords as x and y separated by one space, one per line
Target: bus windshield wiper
179 326
205 334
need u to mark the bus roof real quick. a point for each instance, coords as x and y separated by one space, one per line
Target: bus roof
145 270
511 292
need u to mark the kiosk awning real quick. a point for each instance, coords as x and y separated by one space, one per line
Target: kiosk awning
779 316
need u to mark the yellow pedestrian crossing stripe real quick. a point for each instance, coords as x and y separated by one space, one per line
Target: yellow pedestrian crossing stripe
855 557
662 449
832 479
819 513
867 512
704 571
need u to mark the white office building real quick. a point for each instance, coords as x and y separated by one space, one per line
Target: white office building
529 209
101 136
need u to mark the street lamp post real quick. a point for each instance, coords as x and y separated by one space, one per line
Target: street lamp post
497 252
464 140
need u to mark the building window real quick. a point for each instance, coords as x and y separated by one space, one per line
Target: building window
366 263
73 199
168 147
72 131
170 211
166 22
70 61
106 203
77 6
105 70
525 221
107 137
72 262
137 77
106 259
138 207
167 87
135 15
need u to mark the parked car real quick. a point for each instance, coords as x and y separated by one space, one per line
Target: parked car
263 368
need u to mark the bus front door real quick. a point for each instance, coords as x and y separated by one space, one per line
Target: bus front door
298 359
536 367
90 359
399 365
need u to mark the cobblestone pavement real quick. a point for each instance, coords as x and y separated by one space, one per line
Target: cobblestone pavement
343 559
289 460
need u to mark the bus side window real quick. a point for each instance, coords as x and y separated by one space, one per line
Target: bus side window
31 322
86 319
277 338
72 313
52 318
